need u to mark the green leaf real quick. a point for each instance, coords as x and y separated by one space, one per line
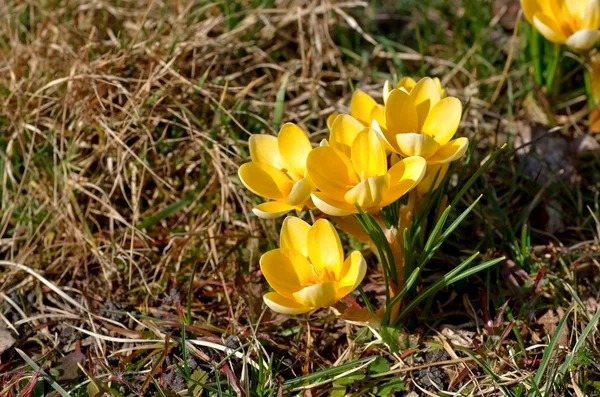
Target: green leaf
47 377
348 380
337 391
580 342
391 387
390 336
379 366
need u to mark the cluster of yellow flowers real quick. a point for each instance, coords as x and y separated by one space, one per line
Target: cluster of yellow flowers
373 156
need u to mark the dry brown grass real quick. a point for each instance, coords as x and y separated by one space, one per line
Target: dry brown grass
122 126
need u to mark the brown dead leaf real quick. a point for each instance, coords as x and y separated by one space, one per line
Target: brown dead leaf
6 339
549 322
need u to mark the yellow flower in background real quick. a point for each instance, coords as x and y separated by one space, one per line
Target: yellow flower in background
571 22
422 123
308 271
363 108
353 169
277 171
407 84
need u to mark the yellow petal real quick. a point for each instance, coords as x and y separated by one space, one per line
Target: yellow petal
294 235
430 176
438 85
574 7
272 209
400 116
451 151
318 295
294 147
343 131
355 270
325 249
386 91
583 40
407 84
332 207
264 150
404 176
285 276
331 119
280 304
548 29
424 95
265 181
300 193
369 193
331 171
412 144
378 115
382 136
591 15
530 8
443 120
361 106
368 155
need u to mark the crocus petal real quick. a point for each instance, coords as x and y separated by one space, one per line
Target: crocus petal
378 115
574 7
443 120
331 171
272 209
280 304
343 131
438 85
530 8
294 147
318 295
285 276
406 84
294 235
451 151
435 172
404 176
331 119
265 181
583 40
361 106
264 150
368 155
386 91
424 96
300 192
548 28
356 268
332 207
369 193
400 116
591 15
412 144
325 249
382 136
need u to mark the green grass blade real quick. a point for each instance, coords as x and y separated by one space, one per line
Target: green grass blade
279 101
47 377
549 351
580 342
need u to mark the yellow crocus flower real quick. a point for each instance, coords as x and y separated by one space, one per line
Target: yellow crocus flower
308 271
352 169
571 22
278 171
407 84
421 123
